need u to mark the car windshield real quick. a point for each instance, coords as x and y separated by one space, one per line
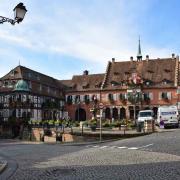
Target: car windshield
145 114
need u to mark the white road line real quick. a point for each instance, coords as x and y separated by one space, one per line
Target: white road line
103 147
95 146
113 147
123 147
146 146
133 148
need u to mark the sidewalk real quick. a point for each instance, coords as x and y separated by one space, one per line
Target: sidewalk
3 165
161 130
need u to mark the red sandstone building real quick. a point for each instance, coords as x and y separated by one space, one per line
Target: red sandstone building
125 88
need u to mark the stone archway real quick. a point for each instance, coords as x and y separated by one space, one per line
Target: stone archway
131 112
122 113
115 113
107 113
80 114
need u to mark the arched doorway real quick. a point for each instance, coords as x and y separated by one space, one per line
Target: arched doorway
115 113
131 112
122 113
80 114
155 110
108 113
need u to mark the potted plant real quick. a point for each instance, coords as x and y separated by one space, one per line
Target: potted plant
93 124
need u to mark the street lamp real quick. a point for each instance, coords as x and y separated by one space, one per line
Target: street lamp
19 13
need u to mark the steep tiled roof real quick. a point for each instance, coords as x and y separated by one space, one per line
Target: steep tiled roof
37 79
154 70
84 82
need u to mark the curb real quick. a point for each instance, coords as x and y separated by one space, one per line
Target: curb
93 142
3 165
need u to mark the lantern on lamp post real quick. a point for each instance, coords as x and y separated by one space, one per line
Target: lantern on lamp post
19 13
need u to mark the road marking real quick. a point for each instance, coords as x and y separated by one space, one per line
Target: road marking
119 147
146 145
103 147
123 147
133 148
95 146
112 147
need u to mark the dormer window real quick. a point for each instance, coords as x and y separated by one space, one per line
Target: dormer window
72 86
167 70
116 73
85 85
98 85
114 83
150 71
12 73
148 82
166 81
126 73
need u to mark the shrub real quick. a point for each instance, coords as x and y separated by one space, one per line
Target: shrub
76 124
105 124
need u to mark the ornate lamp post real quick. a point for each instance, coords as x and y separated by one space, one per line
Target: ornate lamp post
19 13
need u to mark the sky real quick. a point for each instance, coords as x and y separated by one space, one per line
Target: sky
62 38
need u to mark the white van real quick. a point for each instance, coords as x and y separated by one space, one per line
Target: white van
169 115
145 115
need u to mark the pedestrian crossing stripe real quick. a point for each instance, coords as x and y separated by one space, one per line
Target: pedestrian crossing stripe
116 147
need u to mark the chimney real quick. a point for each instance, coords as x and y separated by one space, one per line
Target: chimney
173 56
131 58
85 72
147 57
177 57
113 60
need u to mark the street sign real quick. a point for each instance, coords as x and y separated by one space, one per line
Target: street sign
101 106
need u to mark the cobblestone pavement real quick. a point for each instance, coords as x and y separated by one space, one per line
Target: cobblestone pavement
155 156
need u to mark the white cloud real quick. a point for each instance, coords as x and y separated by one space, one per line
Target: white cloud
92 34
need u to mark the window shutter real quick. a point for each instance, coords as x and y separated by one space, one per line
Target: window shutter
90 97
160 95
115 97
73 98
169 95
81 98
151 96
98 96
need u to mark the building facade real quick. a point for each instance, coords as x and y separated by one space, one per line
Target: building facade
125 88
27 94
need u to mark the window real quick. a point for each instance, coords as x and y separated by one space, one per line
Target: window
86 99
111 97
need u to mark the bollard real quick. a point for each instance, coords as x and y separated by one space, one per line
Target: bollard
82 130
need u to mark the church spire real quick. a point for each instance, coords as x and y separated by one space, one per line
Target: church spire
139 55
